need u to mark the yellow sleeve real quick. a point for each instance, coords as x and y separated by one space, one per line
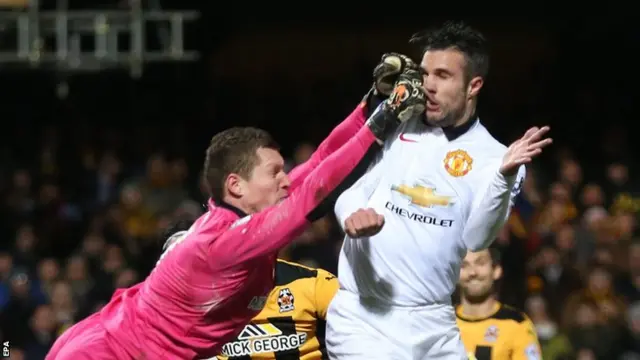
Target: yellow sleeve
525 342
326 287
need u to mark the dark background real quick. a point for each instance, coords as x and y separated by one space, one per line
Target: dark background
91 181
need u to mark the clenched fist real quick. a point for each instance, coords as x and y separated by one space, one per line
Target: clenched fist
363 223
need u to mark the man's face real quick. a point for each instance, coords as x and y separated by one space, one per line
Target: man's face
477 276
268 184
599 281
445 85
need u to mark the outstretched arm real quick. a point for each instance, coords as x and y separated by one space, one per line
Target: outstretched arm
492 207
266 232
347 129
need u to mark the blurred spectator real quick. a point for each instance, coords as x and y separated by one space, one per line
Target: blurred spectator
42 333
546 328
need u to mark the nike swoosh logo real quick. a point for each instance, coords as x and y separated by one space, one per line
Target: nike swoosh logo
403 138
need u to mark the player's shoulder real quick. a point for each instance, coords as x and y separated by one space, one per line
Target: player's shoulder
483 139
288 272
510 313
504 313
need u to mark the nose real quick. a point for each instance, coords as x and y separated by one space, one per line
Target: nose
471 271
429 84
285 183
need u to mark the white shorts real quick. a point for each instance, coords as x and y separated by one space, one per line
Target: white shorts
358 331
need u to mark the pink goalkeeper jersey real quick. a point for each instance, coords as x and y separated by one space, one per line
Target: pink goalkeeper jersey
210 284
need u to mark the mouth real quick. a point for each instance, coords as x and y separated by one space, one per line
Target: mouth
432 105
474 282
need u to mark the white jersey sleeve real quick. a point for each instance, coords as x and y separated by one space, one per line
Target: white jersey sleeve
491 208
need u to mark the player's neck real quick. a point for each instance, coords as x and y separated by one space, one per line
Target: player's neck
469 114
237 206
479 310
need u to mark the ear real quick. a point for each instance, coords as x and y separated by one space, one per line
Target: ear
497 272
474 86
233 185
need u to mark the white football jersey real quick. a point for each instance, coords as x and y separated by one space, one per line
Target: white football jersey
441 194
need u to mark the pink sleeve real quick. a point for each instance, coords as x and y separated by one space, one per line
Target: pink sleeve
347 129
266 232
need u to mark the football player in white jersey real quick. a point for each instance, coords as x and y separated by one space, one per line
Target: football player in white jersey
442 187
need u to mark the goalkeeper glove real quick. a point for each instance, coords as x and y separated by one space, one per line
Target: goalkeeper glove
407 100
385 75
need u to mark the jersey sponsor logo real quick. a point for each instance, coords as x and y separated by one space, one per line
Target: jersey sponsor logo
420 218
491 335
458 163
423 196
258 330
262 338
285 300
257 303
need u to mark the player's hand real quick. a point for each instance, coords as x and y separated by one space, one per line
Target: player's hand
408 98
405 102
387 72
363 223
523 150
385 75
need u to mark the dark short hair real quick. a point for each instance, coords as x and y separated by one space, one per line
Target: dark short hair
233 151
461 37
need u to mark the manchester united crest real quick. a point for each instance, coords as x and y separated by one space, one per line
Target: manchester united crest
458 163
285 300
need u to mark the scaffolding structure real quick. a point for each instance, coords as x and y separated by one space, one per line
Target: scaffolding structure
71 41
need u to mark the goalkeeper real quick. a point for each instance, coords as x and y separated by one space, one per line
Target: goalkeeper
210 284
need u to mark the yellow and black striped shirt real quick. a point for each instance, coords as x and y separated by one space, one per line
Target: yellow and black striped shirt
506 334
286 329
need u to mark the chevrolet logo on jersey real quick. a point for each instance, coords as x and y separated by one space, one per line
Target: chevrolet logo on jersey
262 338
423 196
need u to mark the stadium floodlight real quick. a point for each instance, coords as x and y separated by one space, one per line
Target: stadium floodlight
93 40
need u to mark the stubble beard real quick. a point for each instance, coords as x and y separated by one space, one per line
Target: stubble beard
447 118
478 298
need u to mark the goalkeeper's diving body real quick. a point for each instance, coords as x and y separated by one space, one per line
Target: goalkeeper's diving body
208 285
443 186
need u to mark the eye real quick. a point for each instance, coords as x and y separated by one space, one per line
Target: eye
276 170
481 262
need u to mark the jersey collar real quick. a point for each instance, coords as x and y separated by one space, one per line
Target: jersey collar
454 132
227 206
497 306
